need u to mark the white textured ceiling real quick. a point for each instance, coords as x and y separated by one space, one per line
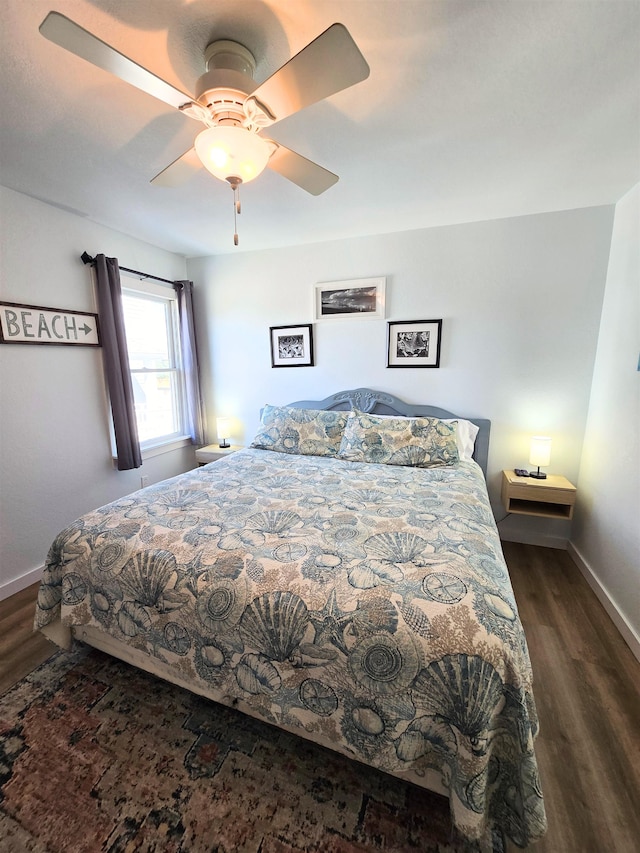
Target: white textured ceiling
474 109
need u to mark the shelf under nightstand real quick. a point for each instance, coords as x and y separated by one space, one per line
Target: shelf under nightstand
553 497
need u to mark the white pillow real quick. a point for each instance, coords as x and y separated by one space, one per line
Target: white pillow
466 433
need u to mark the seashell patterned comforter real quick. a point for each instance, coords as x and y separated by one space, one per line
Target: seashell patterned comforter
366 606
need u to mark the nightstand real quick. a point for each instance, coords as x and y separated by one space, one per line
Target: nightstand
213 452
554 497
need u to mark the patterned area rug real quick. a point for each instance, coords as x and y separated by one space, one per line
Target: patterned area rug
96 756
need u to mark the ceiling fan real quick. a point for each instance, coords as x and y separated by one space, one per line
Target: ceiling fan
233 107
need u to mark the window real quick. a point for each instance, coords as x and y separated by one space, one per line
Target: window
151 323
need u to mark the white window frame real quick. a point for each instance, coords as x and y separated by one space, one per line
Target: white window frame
166 294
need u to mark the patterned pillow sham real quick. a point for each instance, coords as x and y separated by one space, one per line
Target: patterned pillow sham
418 442
310 432
466 433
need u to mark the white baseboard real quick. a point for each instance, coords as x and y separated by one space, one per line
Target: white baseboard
628 633
18 584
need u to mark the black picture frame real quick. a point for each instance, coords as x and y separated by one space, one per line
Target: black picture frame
414 343
291 346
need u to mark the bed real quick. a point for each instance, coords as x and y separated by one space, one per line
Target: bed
342 579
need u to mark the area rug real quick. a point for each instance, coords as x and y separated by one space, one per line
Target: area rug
97 756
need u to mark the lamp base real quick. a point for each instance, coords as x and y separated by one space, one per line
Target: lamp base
224 443
537 475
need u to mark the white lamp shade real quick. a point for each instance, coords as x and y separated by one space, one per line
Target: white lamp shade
540 453
230 151
223 427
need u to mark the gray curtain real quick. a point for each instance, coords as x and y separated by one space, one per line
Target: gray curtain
195 409
116 360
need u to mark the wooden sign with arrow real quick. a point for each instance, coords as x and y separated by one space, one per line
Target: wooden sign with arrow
32 324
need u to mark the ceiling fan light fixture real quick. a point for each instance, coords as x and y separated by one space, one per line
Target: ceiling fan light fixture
230 102
233 152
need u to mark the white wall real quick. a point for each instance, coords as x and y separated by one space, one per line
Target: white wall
520 301
55 453
606 535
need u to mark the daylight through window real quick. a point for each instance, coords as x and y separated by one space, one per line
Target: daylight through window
151 322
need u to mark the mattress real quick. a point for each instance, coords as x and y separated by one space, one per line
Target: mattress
364 606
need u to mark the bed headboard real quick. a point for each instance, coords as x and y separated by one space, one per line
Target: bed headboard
382 403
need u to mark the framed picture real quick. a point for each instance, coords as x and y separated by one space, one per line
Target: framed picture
291 346
357 298
33 324
414 343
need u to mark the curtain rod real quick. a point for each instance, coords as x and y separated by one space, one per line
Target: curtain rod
86 258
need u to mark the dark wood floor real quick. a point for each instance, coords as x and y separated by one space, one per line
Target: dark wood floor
21 650
587 689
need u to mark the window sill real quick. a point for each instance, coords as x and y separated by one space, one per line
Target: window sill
163 447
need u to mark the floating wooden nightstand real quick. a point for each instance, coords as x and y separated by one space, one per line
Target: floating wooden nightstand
213 452
553 497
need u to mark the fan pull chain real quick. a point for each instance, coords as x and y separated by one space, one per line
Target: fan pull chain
234 183
236 211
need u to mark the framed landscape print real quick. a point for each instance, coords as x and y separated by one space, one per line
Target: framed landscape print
414 343
357 298
291 346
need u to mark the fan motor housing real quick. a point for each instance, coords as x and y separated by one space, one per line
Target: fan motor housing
228 80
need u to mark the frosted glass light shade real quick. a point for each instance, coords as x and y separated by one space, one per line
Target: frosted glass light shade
230 151
540 453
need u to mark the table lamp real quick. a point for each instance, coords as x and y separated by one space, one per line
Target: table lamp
223 427
540 454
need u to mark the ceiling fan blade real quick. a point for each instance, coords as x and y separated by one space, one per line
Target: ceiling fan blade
329 64
72 37
305 173
178 172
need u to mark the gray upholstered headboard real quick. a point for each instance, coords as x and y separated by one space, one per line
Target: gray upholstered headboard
382 403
